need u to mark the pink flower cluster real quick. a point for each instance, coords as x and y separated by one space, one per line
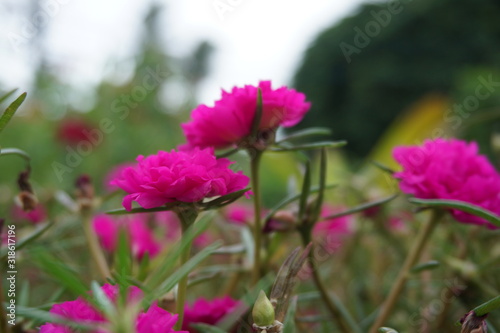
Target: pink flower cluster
229 121
178 176
208 312
142 239
452 170
154 320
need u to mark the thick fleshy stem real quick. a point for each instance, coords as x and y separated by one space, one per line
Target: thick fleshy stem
330 305
94 247
187 216
255 156
411 259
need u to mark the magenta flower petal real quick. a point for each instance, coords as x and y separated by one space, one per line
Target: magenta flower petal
187 176
230 120
451 170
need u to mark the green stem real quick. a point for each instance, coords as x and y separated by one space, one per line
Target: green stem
330 305
94 247
254 169
187 217
411 259
487 307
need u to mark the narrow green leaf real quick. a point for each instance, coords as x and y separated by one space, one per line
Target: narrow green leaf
184 270
29 239
169 261
310 146
15 151
314 131
383 167
228 153
7 95
387 330
258 115
143 267
123 255
9 112
322 183
166 207
306 185
288 200
42 316
289 323
346 314
207 328
102 301
487 307
361 207
460 205
24 294
59 271
224 200
425 266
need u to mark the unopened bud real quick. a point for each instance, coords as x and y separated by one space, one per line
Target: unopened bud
26 200
282 221
471 323
84 192
263 311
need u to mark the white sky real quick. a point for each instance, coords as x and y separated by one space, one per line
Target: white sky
254 39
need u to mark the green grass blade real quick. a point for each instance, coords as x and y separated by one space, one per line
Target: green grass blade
11 109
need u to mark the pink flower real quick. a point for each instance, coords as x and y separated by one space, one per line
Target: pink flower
239 214
229 121
178 176
154 320
35 216
208 312
332 232
452 170
113 174
142 239
72 131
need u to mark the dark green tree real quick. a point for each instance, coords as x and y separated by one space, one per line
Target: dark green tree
363 71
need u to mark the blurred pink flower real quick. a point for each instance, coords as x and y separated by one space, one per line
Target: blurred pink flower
453 170
154 320
73 130
170 222
142 239
35 216
229 121
332 232
239 214
113 174
208 312
178 176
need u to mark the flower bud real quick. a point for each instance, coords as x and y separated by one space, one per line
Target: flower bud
471 323
263 311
